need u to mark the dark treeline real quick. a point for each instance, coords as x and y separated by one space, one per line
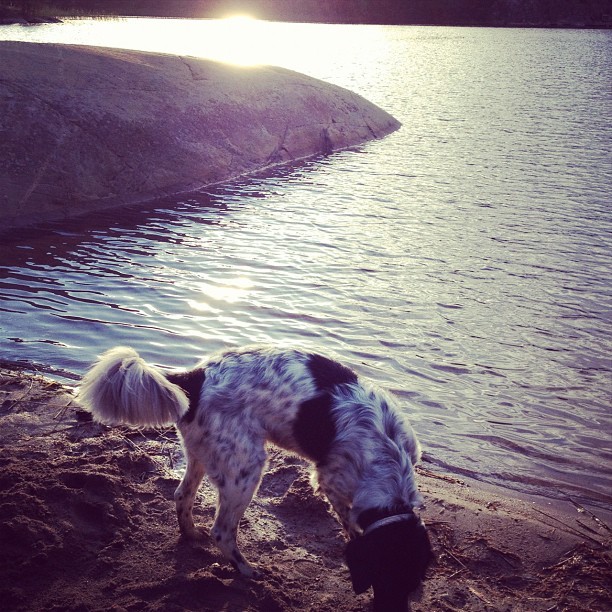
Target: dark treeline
522 13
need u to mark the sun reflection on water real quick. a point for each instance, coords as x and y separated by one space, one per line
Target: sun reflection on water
229 291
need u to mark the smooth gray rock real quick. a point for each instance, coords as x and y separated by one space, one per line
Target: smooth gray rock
86 128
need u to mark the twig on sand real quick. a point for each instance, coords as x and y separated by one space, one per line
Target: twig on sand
587 527
61 413
459 571
571 556
571 529
504 556
135 447
438 523
9 374
581 508
431 474
453 556
160 465
500 553
22 397
479 595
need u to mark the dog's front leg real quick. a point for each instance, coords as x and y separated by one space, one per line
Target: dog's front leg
185 494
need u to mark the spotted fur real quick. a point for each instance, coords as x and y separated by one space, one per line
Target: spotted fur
227 409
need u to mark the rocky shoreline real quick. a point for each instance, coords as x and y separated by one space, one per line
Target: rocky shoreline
91 128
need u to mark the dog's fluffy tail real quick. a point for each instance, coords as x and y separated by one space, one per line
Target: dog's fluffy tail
121 389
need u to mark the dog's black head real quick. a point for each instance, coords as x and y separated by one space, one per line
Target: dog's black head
393 559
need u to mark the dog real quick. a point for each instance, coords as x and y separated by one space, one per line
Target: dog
228 407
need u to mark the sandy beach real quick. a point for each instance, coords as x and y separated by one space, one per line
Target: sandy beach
87 523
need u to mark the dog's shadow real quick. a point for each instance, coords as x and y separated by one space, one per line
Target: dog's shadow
285 514
305 519
197 589
202 579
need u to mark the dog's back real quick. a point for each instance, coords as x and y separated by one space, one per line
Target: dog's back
270 389
256 389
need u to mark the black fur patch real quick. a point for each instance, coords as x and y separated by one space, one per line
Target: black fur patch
314 428
328 374
191 383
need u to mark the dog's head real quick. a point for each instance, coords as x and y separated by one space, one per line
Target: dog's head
393 559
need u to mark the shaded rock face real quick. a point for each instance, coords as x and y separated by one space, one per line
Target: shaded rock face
85 128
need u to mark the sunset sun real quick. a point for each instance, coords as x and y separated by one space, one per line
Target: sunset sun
239 40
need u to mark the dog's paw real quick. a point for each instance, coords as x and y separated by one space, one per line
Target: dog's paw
244 568
195 534
251 573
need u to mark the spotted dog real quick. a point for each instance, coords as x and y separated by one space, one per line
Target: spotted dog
228 407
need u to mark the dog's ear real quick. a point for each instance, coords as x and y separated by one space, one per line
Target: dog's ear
359 560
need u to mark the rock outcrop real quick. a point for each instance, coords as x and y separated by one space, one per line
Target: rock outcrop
85 128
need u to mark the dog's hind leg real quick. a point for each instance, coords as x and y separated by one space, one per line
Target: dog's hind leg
185 494
236 485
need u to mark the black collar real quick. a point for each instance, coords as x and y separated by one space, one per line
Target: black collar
368 517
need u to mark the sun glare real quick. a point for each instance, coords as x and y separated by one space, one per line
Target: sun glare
247 41
239 39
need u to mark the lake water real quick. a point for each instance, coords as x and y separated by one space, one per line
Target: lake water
463 262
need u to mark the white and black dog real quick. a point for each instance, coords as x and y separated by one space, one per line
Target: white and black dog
230 405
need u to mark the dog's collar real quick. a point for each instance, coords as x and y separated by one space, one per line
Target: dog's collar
389 520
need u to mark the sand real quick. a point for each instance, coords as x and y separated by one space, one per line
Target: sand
87 523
